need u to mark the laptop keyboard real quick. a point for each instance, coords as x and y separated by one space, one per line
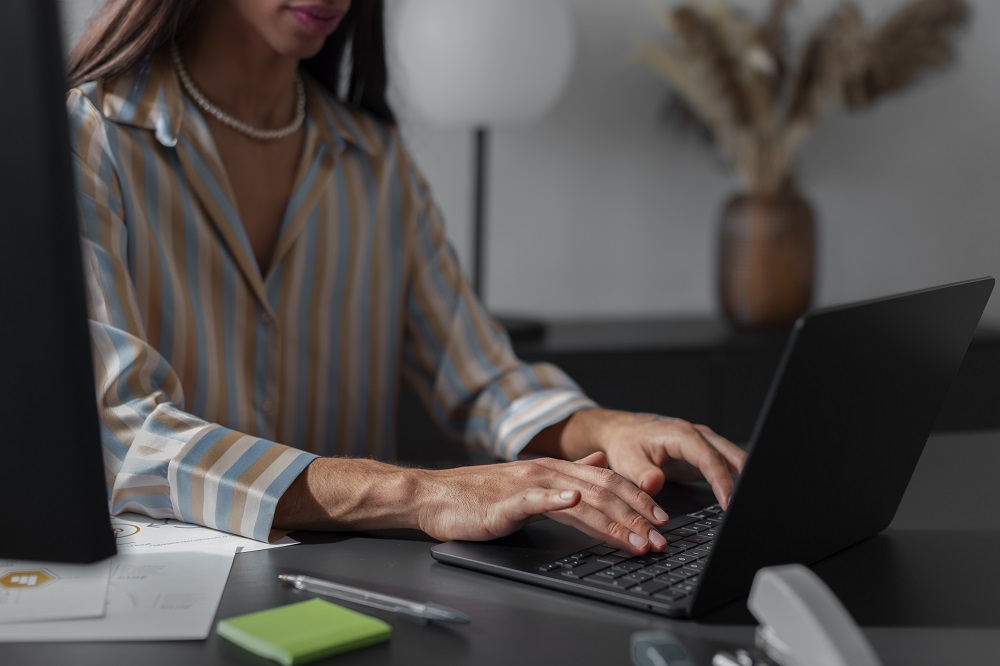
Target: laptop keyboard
669 576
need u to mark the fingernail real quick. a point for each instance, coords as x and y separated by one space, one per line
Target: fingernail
636 540
657 539
660 514
566 495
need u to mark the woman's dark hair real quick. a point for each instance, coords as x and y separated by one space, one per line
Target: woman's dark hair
123 32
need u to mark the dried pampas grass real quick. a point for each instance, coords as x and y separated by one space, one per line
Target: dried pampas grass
734 82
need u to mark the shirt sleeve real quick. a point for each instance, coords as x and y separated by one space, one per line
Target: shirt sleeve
159 460
458 359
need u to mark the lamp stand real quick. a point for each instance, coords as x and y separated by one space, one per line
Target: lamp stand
518 328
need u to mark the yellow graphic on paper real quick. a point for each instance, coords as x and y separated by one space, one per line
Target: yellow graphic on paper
19 580
123 530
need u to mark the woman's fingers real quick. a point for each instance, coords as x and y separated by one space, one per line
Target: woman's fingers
495 500
640 445
595 522
735 456
595 459
620 504
522 507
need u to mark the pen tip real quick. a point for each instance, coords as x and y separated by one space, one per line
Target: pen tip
284 577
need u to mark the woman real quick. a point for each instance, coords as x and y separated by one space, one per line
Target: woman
265 262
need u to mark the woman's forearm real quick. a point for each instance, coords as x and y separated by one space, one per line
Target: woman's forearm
349 494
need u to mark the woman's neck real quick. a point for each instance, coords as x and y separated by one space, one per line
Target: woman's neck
239 72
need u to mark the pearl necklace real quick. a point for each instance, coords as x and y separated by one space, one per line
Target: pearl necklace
235 123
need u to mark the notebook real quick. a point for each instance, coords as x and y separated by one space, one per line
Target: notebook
850 408
303 632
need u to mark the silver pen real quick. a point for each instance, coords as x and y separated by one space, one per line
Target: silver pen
425 611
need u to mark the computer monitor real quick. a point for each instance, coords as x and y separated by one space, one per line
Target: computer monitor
53 499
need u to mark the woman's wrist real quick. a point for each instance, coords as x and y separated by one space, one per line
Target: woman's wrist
576 437
584 432
349 494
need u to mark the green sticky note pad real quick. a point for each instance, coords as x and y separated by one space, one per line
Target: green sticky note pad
303 632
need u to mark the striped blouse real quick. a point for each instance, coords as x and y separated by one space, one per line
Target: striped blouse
217 385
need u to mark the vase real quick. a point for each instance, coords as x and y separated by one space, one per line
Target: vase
766 259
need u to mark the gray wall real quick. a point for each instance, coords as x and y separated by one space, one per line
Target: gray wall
601 210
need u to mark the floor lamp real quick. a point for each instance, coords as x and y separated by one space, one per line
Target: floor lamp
479 65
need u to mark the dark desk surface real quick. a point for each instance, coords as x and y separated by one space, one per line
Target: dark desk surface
925 591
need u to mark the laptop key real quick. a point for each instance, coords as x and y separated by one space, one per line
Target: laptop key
646 560
697 567
570 563
609 574
689 542
610 559
601 550
678 575
699 539
620 583
683 558
629 566
700 551
638 577
662 567
648 588
550 566
585 569
671 578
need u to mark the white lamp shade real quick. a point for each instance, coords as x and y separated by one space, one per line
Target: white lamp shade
471 63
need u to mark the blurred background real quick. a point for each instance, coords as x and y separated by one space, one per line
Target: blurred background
600 209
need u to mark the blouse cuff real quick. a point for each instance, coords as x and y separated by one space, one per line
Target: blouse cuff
232 482
530 414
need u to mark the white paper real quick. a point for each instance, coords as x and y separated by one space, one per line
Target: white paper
161 595
32 590
135 532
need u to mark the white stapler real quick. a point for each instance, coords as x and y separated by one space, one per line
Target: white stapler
802 623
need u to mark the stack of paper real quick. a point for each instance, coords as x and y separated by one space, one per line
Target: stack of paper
164 584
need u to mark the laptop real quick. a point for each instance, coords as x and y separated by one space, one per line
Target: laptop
850 408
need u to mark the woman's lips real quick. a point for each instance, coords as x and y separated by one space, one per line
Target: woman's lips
317 19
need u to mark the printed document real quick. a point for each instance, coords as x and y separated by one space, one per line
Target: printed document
158 595
137 533
32 590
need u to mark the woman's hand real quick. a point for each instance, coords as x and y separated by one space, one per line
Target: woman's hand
489 501
648 449
473 503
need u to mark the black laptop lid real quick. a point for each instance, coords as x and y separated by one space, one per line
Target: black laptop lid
847 417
